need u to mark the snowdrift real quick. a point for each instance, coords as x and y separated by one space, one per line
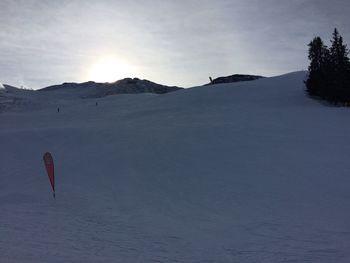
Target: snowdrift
241 172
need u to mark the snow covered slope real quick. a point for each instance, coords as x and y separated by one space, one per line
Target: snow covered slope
242 172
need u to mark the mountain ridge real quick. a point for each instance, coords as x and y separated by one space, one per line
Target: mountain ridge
123 86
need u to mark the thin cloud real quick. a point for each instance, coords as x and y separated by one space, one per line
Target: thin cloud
171 42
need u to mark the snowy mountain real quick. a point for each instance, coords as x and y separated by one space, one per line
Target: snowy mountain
21 99
244 172
14 99
124 86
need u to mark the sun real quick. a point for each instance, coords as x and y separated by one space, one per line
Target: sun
109 70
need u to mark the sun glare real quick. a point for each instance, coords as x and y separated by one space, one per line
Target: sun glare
109 70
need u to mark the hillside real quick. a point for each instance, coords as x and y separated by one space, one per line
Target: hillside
244 172
17 99
123 86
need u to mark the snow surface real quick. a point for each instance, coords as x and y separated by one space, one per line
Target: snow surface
2 89
242 172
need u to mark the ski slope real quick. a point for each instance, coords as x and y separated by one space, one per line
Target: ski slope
242 172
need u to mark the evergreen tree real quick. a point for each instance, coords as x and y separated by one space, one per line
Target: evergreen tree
329 70
319 63
339 52
340 69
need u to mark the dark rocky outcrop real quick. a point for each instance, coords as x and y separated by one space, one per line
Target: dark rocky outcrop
234 78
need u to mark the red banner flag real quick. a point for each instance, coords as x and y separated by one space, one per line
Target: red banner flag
50 170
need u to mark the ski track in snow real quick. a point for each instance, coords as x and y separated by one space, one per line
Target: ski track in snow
243 172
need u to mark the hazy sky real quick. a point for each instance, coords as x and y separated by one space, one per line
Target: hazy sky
45 42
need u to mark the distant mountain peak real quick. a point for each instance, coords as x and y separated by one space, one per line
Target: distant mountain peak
123 86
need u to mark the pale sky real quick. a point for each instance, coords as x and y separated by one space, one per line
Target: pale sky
46 42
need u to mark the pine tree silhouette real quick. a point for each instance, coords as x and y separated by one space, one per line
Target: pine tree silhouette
339 69
329 70
319 57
